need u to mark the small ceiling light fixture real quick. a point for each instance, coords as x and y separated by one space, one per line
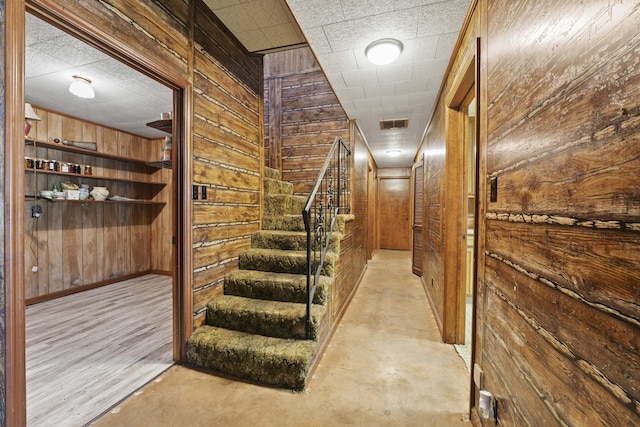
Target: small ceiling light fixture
383 51
394 153
81 87
29 114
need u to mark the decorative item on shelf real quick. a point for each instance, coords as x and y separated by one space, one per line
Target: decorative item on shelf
29 114
88 170
66 185
47 194
84 192
99 193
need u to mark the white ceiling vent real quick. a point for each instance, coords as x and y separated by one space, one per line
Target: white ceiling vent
394 124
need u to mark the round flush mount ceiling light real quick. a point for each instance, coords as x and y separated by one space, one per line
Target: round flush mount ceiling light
81 87
383 51
393 153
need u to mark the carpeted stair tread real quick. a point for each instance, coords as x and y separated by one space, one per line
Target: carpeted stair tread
279 261
288 240
283 222
271 173
275 361
283 204
275 286
275 186
269 318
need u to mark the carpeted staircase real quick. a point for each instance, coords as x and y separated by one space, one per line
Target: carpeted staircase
256 330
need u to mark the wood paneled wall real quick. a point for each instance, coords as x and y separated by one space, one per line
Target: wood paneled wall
558 314
561 326
75 245
191 44
226 153
221 85
302 117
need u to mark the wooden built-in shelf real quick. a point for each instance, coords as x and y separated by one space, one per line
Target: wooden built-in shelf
71 149
163 125
105 178
135 202
166 164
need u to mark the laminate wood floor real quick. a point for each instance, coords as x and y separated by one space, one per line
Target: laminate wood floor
86 352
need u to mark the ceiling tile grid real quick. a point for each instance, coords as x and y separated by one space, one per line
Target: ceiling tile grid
338 31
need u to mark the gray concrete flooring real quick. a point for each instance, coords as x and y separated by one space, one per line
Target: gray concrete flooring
385 366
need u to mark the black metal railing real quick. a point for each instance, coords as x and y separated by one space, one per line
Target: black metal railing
330 197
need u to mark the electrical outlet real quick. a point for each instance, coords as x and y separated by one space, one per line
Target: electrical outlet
194 195
36 211
203 192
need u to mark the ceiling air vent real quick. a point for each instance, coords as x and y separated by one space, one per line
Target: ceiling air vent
394 124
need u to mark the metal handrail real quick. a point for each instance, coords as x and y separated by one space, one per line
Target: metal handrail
330 196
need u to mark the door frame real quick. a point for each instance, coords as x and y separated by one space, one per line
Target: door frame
456 224
52 12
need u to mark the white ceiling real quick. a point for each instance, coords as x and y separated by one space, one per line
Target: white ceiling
125 99
337 31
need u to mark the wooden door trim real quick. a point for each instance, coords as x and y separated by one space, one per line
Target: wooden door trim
15 372
455 225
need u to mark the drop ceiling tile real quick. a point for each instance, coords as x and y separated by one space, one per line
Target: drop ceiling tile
315 13
349 94
267 13
336 80
340 61
396 100
446 43
366 103
409 86
401 25
283 35
360 77
348 35
318 40
394 73
428 69
404 4
361 8
443 17
384 89
237 17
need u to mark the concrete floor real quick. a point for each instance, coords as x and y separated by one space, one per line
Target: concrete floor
385 365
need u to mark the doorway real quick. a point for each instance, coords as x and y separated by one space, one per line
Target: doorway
394 212
468 132
147 206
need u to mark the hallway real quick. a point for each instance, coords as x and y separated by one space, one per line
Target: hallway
385 365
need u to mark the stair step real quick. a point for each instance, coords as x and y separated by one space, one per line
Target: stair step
278 261
275 361
283 204
275 186
275 286
271 173
283 222
288 240
269 318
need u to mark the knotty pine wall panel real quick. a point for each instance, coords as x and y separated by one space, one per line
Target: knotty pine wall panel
560 303
79 244
302 117
226 155
227 85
